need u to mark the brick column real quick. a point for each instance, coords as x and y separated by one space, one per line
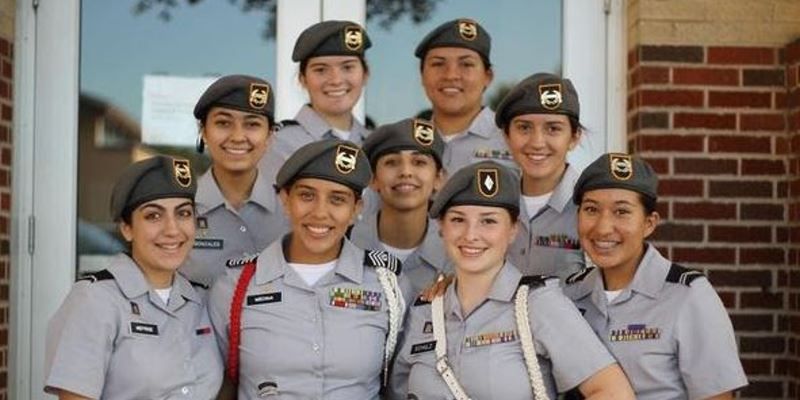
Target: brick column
712 121
792 278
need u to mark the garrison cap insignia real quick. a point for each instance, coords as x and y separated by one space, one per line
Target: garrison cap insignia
183 174
468 30
621 166
550 96
488 182
353 38
423 132
346 158
259 95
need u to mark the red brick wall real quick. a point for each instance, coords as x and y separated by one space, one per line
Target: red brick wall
792 56
713 122
6 109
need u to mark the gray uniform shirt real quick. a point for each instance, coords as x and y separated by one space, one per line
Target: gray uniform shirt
674 341
224 233
481 142
422 266
115 339
484 350
320 342
310 127
547 243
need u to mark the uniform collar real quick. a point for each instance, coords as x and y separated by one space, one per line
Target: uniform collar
431 250
209 196
133 284
314 124
561 197
349 265
651 274
503 288
483 124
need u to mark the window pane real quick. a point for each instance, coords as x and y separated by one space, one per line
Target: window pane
120 50
526 38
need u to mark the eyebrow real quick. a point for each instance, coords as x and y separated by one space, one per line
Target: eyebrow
162 208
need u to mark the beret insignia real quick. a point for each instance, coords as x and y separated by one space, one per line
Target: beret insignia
550 96
468 30
183 173
488 182
423 132
621 166
259 95
346 159
353 38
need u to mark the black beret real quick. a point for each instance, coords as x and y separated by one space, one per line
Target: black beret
331 38
541 93
462 32
239 92
617 171
485 183
408 134
151 179
335 160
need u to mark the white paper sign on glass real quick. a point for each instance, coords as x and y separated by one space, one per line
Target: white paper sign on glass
167 105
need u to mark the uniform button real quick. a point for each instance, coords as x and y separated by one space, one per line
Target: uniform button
243 228
185 390
316 347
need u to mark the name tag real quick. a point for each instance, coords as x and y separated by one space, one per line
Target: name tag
206 330
423 347
264 298
144 329
211 244
634 332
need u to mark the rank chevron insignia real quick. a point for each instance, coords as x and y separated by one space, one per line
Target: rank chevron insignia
382 259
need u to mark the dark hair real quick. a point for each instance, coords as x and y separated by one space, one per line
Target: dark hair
648 203
574 125
487 65
304 64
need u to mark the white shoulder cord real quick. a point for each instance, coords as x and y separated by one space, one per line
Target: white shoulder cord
397 309
447 374
526 339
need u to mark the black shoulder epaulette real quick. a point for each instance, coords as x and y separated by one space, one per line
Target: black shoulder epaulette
382 259
421 302
238 262
198 284
534 281
680 274
93 277
287 122
578 276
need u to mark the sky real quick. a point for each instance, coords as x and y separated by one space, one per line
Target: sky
118 48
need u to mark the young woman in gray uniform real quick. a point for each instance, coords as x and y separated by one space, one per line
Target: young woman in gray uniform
406 161
334 72
456 70
540 117
313 316
238 213
139 330
663 322
496 334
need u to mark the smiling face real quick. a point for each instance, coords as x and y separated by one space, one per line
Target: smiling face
236 140
454 79
476 237
161 233
406 179
613 225
539 144
320 211
334 83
